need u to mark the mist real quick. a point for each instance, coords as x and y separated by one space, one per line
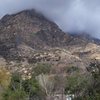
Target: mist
73 16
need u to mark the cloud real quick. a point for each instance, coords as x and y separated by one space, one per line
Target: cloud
74 16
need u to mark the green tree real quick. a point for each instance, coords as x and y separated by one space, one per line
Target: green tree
94 90
23 89
15 90
33 89
9 94
77 84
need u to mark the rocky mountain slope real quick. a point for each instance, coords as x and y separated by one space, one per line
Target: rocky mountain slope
28 38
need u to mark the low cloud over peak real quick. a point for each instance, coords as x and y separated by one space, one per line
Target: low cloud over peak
71 15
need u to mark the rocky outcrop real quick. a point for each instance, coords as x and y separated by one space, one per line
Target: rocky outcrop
29 36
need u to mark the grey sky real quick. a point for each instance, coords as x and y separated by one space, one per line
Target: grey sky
70 15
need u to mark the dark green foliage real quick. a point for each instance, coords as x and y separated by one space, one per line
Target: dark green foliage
16 81
85 87
15 90
77 84
23 89
94 90
33 89
14 95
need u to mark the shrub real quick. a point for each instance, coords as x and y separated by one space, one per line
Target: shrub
5 78
77 84
23 89
72 69
42 68
14 95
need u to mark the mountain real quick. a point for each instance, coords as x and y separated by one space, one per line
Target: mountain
29 28
30 37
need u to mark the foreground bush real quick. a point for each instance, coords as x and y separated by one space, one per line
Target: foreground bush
23 89
5 78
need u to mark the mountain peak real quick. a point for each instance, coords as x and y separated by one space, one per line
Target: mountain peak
32 29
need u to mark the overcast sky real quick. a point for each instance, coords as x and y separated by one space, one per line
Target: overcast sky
71 15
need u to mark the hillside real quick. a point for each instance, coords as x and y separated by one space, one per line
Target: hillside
29 36
39 58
